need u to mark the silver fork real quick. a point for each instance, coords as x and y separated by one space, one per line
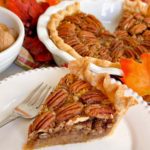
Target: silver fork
28 109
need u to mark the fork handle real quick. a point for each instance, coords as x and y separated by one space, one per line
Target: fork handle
10 118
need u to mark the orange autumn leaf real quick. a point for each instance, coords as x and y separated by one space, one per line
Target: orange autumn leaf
2 3
137 75
52 2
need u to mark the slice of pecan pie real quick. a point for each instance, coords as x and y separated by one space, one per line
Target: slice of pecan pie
82 107
81 34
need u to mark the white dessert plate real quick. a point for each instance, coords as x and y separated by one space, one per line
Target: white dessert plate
133 132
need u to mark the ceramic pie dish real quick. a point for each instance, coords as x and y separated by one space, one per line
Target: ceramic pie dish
80 32
107 13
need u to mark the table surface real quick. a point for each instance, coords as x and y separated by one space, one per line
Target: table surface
13 69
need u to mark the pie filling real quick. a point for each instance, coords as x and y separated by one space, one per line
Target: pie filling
87 36
74 112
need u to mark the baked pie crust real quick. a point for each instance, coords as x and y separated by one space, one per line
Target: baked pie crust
54 23
82 107
130 40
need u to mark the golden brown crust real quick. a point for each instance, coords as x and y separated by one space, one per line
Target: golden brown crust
53 24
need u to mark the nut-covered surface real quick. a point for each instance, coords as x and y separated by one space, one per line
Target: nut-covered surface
86 35
137 26
73 107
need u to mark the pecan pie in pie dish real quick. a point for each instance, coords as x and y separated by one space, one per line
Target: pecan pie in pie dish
82 107
81 34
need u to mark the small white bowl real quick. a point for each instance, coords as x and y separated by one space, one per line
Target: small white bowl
9 55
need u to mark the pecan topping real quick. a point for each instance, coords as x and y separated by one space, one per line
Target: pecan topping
98 111
43 121
76 19
146 43
86 34
139 16
141 49
130 41
125 22
68 111
130 53
82 49
79 85
66 29
121 33
72 41
146 34
139 28
91 24
147 20
130 24
57 98
93 97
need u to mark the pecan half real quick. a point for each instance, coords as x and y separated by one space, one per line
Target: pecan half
86 35
130 41
88 38
91 24
67 80
66 29
141 49
138 16
130 24
146 43
121 33
79 85
43 121
146 34
93 97
137 29
125 22
72 41
75 19
147 20
57 98
98 111
68 111
82 49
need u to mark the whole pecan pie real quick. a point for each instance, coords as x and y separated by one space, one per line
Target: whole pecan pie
82 107
82 34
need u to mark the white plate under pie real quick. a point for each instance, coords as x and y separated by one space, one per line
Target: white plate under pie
133 132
